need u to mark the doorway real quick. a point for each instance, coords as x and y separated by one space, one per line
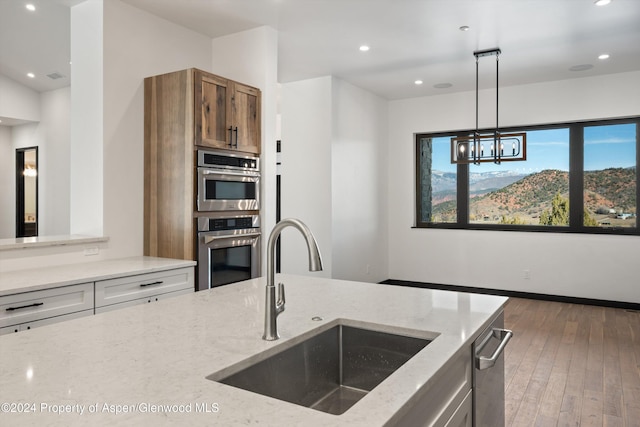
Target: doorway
27 192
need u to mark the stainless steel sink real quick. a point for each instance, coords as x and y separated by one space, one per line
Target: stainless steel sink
329 371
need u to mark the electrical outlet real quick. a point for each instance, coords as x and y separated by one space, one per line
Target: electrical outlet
91 251
526 274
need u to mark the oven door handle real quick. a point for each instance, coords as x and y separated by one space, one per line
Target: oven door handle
208 238
209 171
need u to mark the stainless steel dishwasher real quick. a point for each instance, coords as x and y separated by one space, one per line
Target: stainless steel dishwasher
488 375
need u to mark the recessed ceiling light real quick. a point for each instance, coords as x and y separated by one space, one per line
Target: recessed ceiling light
30 7
581 67
604 56
364 48
31 75
464 28
601 2
418 82
442 85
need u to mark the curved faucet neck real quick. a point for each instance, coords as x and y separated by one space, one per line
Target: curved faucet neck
274 303
315 259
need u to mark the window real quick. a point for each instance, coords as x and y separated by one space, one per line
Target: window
523 192
610 176
438 181
578 177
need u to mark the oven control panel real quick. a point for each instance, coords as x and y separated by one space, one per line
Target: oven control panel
222 160
228 223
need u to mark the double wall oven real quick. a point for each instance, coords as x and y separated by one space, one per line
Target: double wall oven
228 218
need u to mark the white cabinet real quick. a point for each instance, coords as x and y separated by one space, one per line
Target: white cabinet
26 310
85 294
448 401
143 288
463 416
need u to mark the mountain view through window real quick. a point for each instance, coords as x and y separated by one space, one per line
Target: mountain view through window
535 192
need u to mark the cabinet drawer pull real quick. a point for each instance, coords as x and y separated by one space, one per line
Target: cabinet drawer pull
159 282
35 304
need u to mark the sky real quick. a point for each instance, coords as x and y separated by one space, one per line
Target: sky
605 147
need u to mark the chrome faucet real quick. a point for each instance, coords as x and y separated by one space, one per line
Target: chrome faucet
272 307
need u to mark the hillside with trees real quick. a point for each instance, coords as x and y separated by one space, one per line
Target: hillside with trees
541 198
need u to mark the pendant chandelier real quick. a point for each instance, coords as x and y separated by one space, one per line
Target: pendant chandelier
492 146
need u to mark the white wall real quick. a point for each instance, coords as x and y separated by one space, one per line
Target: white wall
334 176
86 174
359 184
18 101
54 156
306 171
587 266
136 45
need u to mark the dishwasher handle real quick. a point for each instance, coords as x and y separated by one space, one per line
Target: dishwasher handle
482 362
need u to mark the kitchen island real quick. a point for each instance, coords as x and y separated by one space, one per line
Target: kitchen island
147 365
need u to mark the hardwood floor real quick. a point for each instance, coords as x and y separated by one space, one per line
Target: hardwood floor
571 365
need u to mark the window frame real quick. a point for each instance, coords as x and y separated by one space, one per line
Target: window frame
576 182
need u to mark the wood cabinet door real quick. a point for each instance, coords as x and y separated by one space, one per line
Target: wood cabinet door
245 118
212 124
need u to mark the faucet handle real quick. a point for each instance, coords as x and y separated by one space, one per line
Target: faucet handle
281 298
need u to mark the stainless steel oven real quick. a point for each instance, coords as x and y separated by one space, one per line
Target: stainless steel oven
228 181
228 249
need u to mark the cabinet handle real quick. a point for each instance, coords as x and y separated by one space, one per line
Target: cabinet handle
236 131
35 304
230 144
143 285
504 335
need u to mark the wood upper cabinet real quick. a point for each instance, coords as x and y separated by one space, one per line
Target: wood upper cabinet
227 113
211 124
245 117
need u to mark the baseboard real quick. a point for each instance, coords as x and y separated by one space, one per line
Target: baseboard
515 294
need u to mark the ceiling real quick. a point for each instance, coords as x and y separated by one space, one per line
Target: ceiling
409 40
420 39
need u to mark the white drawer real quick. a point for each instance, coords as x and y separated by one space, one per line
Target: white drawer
141 301
47 321
31 306
115 291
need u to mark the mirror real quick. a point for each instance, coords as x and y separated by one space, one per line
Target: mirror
35 117
27 192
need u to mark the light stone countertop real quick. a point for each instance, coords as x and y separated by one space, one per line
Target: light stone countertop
160 354
48 241
13 282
